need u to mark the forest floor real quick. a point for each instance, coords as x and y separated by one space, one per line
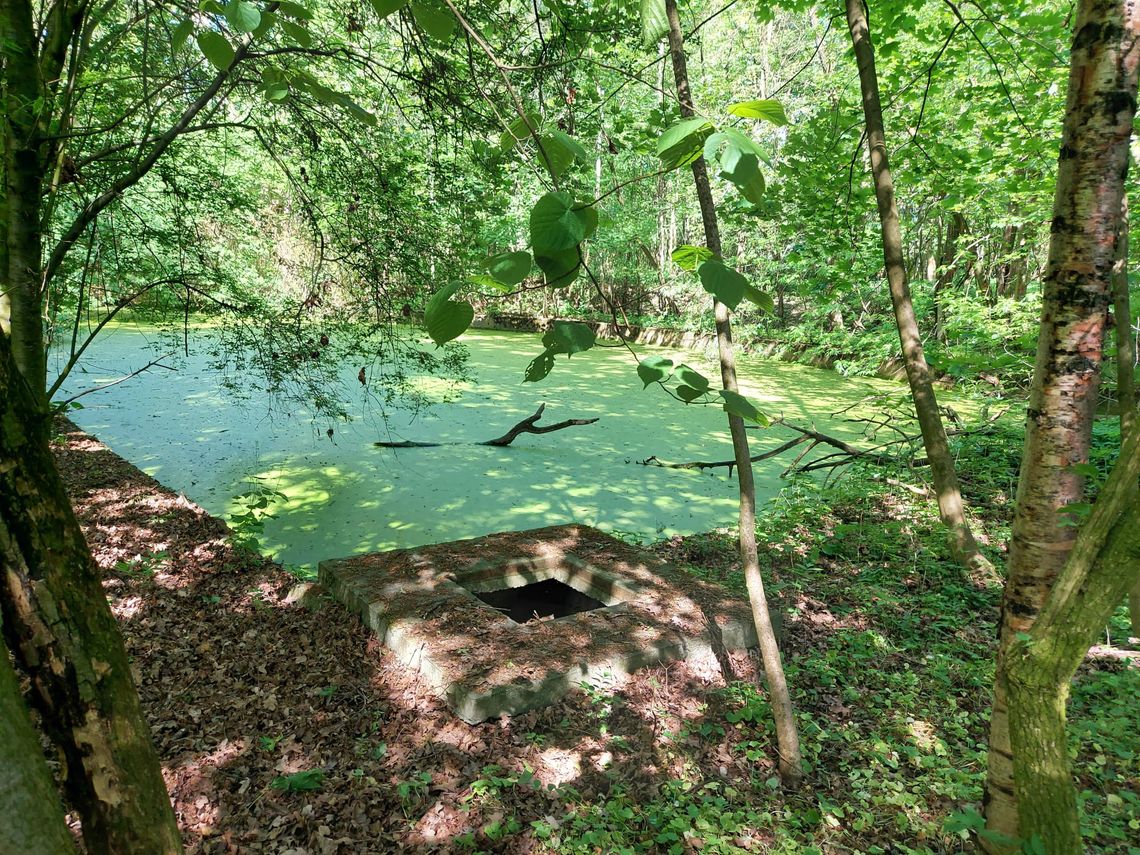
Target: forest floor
284 727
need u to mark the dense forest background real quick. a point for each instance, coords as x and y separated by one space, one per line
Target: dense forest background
331 184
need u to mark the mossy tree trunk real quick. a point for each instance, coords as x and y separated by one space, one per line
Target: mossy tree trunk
31 822
57 623
787 736
1029 789
1125 364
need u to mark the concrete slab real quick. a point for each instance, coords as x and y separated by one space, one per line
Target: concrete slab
422 604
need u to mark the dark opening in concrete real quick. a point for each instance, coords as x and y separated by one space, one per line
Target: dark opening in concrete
549 598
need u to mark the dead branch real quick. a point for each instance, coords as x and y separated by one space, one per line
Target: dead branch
527 425
699 464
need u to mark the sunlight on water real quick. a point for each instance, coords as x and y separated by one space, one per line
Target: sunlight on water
346 496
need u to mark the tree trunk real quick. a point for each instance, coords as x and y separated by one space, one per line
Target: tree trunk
32 820
787 737
1038 667
57 622
1125 364
962 543
23 174
1086 209
947 271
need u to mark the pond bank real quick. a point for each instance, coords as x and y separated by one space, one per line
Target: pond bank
705 343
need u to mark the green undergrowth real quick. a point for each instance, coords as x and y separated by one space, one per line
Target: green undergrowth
889 651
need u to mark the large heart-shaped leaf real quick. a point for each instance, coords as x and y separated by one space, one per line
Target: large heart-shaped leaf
736 404
681 144
243 16
569 337
692 378
556 225
654 22
510 268
216 49
654 369
434 19
181 35
689 258
560 268
766 109
539 367
724 283
762 299
446 319
384 8
518 130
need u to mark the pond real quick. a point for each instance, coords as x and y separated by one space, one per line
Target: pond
346 496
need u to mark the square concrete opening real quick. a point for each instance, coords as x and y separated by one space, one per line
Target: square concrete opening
462 614
546 599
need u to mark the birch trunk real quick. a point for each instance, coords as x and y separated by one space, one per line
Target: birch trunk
1077 287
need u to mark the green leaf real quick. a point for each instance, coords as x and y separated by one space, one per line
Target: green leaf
310 779
274 85
268 20
569 337
560 268
297 33
576 147
445 318
518 130
384 8
485 281
681 144
294 10
736 404
435 20
555 224
689 258
539 367
692 378
654 369
766 109
244 17
688 394
724 283
559 156
761 299
654 23
216 49
739 160
180 36
510 268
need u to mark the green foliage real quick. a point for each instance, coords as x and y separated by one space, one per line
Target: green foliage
299 782
683 143
446 319
508 268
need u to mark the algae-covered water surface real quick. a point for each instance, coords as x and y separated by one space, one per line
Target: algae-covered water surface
345 496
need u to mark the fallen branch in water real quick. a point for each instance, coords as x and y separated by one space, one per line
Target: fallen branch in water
844 453
527 425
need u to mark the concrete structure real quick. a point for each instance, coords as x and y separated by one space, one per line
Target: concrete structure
425 606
